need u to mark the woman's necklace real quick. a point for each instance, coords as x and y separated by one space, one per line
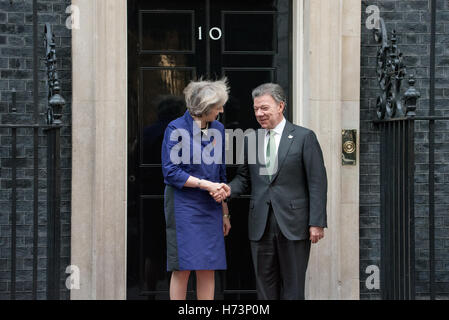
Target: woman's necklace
204 130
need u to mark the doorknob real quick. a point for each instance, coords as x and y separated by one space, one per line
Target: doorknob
132 178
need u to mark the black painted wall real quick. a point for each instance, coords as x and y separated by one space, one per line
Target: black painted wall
411 19
16 71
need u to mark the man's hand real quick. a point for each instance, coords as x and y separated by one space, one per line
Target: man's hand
227 189
316 234
221 193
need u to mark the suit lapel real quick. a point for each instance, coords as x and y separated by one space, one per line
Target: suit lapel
284 146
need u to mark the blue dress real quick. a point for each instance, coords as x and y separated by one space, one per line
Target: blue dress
194 222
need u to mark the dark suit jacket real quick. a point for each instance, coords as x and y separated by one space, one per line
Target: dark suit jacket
297 191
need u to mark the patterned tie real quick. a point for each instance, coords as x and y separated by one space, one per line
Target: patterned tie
271 154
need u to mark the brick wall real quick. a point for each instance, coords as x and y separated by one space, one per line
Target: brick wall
411 20
16 71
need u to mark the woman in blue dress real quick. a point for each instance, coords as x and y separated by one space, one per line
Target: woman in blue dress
193 165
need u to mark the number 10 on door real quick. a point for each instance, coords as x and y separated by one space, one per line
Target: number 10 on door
214 33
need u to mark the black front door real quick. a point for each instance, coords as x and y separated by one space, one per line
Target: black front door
169 44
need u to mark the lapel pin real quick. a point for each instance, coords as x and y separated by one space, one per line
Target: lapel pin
290 137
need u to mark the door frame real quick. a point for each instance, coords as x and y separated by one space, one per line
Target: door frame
99 140
146 277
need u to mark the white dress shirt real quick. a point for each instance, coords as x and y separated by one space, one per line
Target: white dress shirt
277 136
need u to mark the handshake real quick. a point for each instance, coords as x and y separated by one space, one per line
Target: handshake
219 191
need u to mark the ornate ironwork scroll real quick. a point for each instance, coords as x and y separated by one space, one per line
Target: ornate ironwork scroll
391 70
55 100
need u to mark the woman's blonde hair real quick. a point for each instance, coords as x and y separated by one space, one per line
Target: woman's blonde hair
202 95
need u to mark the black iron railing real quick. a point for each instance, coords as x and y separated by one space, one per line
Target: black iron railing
20 160
397 209
396 119
396 114
53 206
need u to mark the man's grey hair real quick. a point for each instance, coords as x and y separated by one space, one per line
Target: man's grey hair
203 95
272 89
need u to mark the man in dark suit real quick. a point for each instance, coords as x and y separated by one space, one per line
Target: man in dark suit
288 197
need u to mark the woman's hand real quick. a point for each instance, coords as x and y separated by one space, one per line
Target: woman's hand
212 186
226 225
